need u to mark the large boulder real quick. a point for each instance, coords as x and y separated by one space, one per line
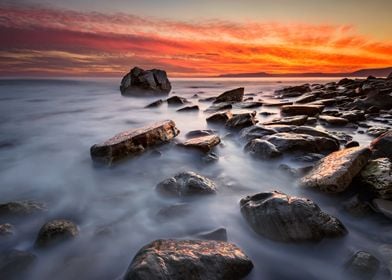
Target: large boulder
133 142
335 172
189 259
376 97
284 218
381 146
139 82
377 177
56 231
234 95
186 184
309 110
203 143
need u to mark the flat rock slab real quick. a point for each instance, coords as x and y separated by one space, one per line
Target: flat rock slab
335 172
333 120
284 218
203 143
294 120
309 110
133 141
189 259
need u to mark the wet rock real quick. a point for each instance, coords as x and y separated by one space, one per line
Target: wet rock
219 234
383 206
356 207
389 76
189 259
284 218
362 265
294 120
210 158
341 136
381 146
377 177
353 116
254 104
56 231
21 208
193 108
277 103
219 117
306 98
280 127
309 110
6 229
155 104
174 211
176 100
325 102
219 107
310 157
15 264
186 184
262 149
335 172
333 120
234 95
199 133
376 131
139 81
376 97
255 131
242 120
313 132
293 91
352 144
133 141
203 143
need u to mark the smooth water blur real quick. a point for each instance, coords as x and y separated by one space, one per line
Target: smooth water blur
46 130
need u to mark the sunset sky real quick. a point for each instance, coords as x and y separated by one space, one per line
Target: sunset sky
193 38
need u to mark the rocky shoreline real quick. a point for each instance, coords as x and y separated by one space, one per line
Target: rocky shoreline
336 165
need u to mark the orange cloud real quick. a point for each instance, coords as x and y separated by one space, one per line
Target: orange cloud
54 42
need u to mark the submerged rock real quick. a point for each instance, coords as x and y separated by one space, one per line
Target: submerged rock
248 104
203 143
309 110
335 172
176 100
262 149
15 264
234 95
219 234
199 133
242 120
193 108
139 82
56 231
21 208
284 218
377 177
381 146
6 229
133 142
362 265
174 211
186 184
189 259
155 104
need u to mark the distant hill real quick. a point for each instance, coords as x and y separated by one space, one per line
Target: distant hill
377 72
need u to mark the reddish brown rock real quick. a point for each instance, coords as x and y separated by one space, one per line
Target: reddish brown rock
203 143
220 117
333 120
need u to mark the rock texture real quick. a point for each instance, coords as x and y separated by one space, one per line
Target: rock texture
335 172
309 110
255 131
186 184
377 177
234 95
262 149
189 259
140 82
56 231
21 208
284 218
241 120
203 143
362 265
219 117
133 142
381 146
294 120
333 120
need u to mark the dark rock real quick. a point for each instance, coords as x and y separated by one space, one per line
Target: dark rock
354 115
284 218
186 184
389 76
381 146
15 264
280 127
219 234
356 207
262 149
313 132
333 120
294 120
133 142
176 100
219 117
383 206
352 144
375 97
267 113
310 157
219 107
203 143
248 105
234 95
377 177
189 259
155 104
174 211
189 109
335 172
210 158
139 81
309 110
293 91
306 98
242 120
207 99
199 133
362 265
21 208
255 131
56 231
277 103
376 131
6 229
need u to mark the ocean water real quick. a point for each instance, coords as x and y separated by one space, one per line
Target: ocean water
46 130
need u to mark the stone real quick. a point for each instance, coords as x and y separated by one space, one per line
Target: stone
389 76
293 91
376 97
155 104
6 229
234 95
383 206
21 208
219 234
193 108
219 117
255 131
362 265
376 131
55 232
133 142
377 177
354 115
141 82
335 172
186 184
314 132
294 120
333 120
189 259
352 144
219 107
176 100
381 146
203 143
356 207
198 133
254 104
241 120
262 149
309 110
306 98
174 211
15 264
284 218
277 103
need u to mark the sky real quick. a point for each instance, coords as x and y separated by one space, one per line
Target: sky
193 38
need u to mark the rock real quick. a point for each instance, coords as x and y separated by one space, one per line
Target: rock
309 110
255 131
189 259
277 103
383 206
186 184
376 97
353 116
335 172
377 177
6 229
174 211
356 207
262 149
176 100
219 234
189 109
333 120
310 157
294 120
203 143
56 231
293 91
210 158
389 76
219 107
314 132
280 127
376 131
293 142
219 117
352 144
234 95
362 265
241 120
133 141
15 264
139 81
155 104
254 104
284 218
306 98
381 146
21 208
198 133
